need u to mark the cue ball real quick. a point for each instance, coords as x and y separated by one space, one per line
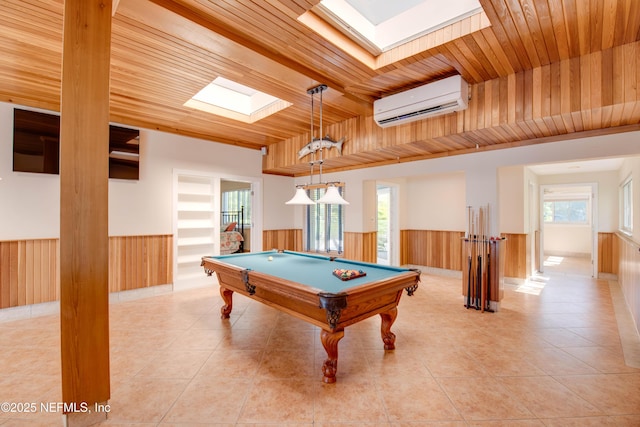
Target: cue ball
270 258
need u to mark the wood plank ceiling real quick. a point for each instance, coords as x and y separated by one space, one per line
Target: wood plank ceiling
539 70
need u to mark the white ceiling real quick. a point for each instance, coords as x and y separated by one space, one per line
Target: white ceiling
585 166
387 23
378 11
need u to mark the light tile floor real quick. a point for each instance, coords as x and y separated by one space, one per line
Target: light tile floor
552 356
568 265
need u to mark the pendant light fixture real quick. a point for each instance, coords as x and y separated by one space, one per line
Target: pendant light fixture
332 195
300 198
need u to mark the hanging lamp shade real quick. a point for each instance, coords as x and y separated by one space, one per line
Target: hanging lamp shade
300 198
332 197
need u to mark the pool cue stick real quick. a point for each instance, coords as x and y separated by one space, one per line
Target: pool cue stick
470 254
469 257
486 257
468 304
488 261
474 260
486 252
482 250
488 304
472 243
487 248
483 256
479 283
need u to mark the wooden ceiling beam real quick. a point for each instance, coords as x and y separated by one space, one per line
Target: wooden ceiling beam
219 27
546 103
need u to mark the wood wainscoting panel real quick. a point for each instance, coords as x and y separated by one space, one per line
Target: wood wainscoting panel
140 261
361 246
30 269
629 274
286 239
432 248
515 255
29 272
607 253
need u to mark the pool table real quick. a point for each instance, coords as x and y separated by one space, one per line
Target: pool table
315 288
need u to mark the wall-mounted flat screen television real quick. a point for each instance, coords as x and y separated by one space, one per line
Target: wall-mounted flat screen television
36 146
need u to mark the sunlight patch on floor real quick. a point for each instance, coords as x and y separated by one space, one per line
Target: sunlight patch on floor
533 286
553 260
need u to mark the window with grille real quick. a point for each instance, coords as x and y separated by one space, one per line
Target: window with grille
235 200
566 211
324 224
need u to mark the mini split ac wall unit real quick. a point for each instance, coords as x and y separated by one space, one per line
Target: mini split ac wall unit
440 97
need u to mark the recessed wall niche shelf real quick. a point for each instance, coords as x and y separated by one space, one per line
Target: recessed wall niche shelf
195 226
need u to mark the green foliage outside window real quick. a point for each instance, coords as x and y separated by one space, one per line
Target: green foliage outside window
566 211
324 224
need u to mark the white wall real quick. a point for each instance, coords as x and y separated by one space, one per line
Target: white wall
482 164
30 203
532 202
607 183
278 216
512 191
370 206
567 240
631 168
436 202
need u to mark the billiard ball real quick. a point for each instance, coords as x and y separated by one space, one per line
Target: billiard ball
270 258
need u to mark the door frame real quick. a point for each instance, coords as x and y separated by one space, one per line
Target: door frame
255 243
594 221
394 220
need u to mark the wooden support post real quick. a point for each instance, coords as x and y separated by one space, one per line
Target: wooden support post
84 180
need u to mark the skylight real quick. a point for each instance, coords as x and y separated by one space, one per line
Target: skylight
387 24
236 101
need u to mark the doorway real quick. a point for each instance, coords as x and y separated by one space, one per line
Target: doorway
236 202
199 217
387 224
568 229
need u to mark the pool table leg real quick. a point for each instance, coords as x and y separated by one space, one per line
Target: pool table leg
388 337
330 344
227 296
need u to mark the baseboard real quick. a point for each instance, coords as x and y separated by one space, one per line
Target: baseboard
134 294
50 308
29 311
192 283
567 254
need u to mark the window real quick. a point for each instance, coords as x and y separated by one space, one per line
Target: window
627 205
324 224
566 211
235 200
382 25
235 101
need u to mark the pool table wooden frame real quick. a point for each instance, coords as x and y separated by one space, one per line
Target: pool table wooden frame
332 312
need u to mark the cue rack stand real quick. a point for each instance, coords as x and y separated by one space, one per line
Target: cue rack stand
483 263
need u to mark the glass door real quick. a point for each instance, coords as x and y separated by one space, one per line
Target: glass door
384 224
